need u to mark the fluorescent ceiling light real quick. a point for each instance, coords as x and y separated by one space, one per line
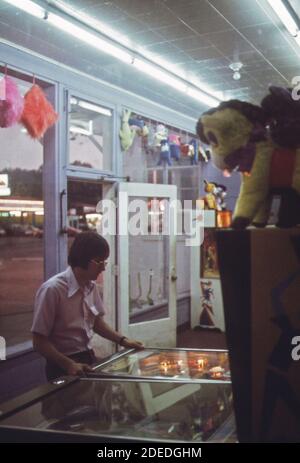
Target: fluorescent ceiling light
75 129
203 97
179 72
124 40
82 130
285 16
29 7
91 39
176 79
160 75
178 84
91 107
92 22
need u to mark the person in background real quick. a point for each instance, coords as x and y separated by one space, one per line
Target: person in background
69 310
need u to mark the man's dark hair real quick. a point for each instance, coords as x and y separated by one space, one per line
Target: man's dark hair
87 246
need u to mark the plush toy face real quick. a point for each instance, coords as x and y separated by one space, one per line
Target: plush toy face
226 131
268 159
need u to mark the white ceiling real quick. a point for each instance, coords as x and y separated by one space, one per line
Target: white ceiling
202 37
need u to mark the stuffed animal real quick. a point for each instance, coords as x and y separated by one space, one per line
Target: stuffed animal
193 152
130 128
221 192
263 143
210 201
160 134
215 196
165 153
174 142
161 140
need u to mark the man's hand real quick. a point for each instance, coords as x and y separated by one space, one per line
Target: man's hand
78 369
132 344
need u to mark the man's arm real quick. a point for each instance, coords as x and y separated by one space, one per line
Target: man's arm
46 348
104 330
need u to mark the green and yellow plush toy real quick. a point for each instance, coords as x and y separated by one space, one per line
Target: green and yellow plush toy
130 127
263 143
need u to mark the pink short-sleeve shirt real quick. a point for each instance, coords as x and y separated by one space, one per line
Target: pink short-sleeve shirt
65 314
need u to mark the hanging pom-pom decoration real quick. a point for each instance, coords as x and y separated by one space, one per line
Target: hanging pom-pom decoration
11 103
38 114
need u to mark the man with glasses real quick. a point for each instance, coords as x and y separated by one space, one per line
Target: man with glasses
69 310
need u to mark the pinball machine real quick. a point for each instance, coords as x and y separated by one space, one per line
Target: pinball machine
153 395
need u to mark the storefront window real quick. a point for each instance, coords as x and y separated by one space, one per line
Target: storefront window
181 164
83 197
156 148
21 231
90 135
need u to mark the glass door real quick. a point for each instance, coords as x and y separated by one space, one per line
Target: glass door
147 262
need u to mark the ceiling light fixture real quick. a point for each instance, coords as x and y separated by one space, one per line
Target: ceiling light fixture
91 39
125 41
29 6
129 57
80 127
91 107
160 75
286 14
202 97
95 108
236 67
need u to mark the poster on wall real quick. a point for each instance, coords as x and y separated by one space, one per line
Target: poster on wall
210 315
209 267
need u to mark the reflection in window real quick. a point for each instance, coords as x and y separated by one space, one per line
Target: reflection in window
90 135
188 180
21 231
148 261
83 197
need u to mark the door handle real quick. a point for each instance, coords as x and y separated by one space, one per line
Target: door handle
63 228
173 274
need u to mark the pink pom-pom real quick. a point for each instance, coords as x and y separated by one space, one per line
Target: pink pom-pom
11 107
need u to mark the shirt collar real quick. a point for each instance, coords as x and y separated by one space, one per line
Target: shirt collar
73 285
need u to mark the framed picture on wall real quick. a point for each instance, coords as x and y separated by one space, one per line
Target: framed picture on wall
211 305
209 257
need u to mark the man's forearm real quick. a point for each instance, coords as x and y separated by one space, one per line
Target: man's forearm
46 348
104 330
100 327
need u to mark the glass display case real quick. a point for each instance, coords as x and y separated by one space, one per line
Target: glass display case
179 405
178 364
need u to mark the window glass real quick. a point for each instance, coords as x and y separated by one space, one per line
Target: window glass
21 231
90 135
83 197
154 148
182 165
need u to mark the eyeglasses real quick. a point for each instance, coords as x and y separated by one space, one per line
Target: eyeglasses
100 262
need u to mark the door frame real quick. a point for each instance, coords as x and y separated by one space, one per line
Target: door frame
153 333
